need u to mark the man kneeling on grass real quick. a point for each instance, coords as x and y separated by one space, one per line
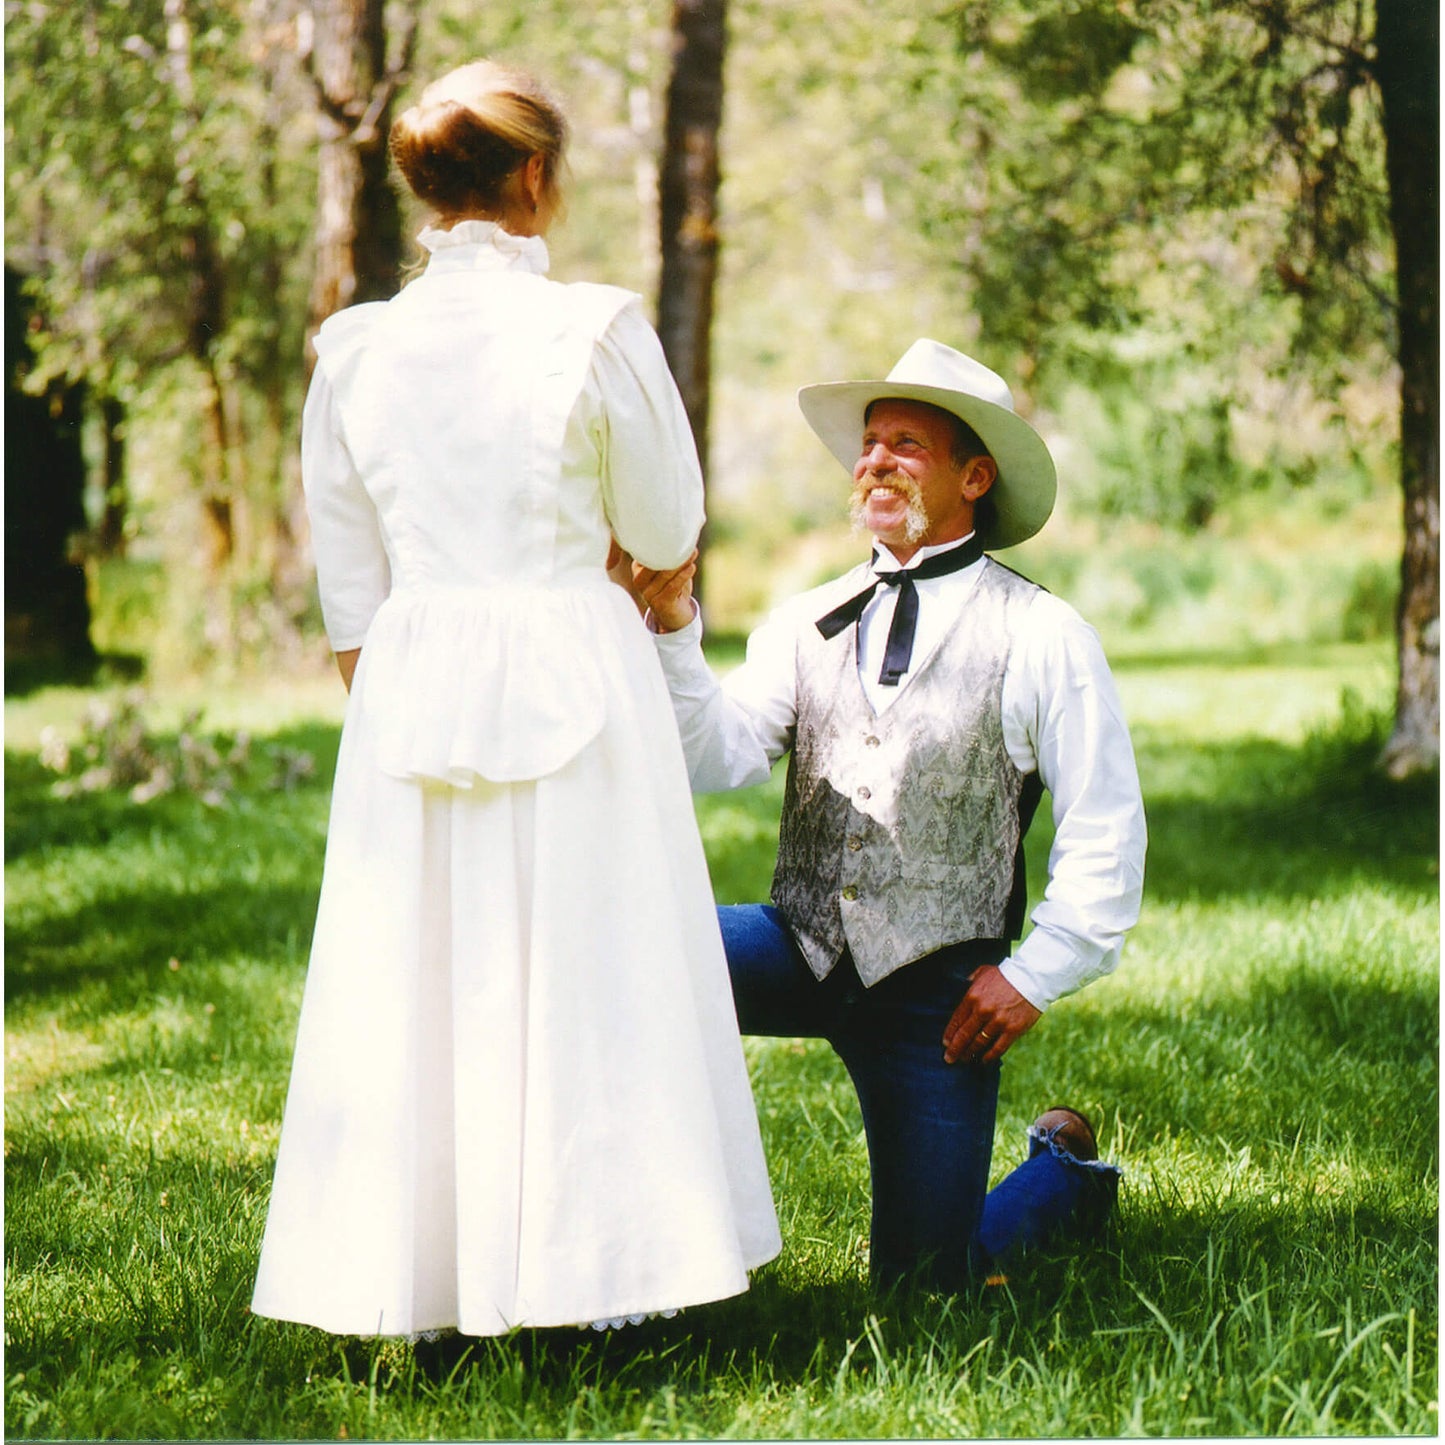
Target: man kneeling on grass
927 698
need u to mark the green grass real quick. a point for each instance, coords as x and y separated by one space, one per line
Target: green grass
1263 1065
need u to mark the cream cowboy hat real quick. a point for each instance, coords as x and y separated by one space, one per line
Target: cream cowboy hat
1023 495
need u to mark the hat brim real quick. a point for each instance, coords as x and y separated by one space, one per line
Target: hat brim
1027 484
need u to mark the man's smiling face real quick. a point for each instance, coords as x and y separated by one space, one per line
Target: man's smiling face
909 488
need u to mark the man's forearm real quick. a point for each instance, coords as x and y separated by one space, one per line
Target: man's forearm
718 740
1080 743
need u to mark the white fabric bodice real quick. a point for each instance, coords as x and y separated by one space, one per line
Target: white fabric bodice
469 448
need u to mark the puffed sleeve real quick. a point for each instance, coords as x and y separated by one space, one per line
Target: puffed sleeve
352 571
651 481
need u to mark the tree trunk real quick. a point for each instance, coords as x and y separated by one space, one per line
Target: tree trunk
47 611
1408 41
110 540
217 503
206 292
282 544
688 205
358 223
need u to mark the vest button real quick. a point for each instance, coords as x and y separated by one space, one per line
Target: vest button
865 793
850 893
854 842
870 741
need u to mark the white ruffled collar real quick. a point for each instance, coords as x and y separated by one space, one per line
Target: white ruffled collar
489 247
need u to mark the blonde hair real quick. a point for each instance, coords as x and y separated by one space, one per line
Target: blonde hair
470 133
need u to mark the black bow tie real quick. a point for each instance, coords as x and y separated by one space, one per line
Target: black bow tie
899 652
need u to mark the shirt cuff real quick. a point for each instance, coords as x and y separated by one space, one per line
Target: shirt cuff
692 630
1046 967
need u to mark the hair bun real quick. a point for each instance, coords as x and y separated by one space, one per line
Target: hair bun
469 131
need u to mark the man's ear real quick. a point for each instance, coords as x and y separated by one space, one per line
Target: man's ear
979 474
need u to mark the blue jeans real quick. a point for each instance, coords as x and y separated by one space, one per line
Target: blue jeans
929 1124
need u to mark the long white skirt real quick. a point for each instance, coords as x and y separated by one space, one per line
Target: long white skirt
518 1096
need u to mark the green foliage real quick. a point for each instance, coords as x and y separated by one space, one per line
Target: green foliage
1106 127
1179 476
131 186
1144 215
1170 204
100 208
1066 54
128 602
1263 1065
1369 613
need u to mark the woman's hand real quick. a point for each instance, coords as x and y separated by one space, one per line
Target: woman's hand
619 570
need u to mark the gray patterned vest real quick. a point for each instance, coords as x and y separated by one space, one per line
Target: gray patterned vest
902 832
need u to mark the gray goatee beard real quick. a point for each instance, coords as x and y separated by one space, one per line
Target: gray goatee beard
915 523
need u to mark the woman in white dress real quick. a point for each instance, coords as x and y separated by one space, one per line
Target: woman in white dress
518 1095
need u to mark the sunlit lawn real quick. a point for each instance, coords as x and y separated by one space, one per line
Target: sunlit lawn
1263 1065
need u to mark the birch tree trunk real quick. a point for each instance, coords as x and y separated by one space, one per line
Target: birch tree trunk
1408 67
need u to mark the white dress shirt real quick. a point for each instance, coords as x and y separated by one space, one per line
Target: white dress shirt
1061 717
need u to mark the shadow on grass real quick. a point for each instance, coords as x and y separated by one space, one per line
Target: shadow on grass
776 1328
25 675
1260 817
131 886
1197 1258
1331 1011
149 1282
164 1248
1197 1261
127 941
1302 1062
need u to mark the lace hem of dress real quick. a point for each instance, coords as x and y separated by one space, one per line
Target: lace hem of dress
616 1322
619 1322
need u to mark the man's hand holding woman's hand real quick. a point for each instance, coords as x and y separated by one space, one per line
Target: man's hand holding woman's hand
668 594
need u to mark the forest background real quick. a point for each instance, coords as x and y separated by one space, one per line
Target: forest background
1172 225
1199 237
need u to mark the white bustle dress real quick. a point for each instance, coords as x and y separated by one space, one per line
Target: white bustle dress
518 1096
